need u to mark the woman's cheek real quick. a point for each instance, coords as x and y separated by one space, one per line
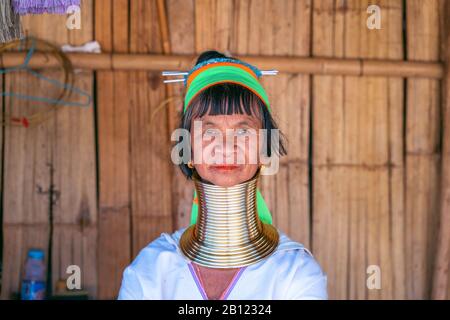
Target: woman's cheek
201 149
249 150
207 152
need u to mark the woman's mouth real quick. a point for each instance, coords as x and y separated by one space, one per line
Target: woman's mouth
224 167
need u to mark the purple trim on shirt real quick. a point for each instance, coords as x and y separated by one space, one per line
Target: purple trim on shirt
232 284
197 281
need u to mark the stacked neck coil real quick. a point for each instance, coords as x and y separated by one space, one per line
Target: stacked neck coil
228 232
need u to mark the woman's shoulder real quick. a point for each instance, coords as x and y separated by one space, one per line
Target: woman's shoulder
299 269
295 255
288 247
143 277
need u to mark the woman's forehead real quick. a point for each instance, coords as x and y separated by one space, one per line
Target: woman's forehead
230 120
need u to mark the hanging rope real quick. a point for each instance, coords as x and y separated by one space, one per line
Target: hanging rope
162 104
35 118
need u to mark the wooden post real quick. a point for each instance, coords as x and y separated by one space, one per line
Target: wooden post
113 108
422 137
149 144
171 111
182 189
441 281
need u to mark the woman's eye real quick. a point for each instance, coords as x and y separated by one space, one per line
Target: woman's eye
211 132
241 132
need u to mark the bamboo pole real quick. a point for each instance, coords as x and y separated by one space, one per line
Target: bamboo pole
182 36
441 281
422 130
171 109
166 49
158 62
112 20
151 211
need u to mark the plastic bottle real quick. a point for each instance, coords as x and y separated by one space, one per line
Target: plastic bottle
33 281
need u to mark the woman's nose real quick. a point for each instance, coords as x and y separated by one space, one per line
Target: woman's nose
228 146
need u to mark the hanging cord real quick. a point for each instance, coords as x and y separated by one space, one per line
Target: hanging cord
50 49
162 104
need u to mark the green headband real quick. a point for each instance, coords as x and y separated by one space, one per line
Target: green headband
224 74
208 74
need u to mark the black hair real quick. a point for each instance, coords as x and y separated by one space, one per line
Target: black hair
229 98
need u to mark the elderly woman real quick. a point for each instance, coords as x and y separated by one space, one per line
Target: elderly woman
231 250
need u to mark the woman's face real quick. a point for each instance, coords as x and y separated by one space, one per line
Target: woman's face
225 148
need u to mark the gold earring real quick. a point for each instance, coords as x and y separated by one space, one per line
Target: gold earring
261 168
190 165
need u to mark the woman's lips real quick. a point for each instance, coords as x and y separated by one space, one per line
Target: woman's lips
224 167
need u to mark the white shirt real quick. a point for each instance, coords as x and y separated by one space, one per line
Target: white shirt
162 272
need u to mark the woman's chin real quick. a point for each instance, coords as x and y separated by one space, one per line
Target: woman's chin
225 180
226 177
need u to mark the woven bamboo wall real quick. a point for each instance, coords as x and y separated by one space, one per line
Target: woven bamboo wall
360 184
